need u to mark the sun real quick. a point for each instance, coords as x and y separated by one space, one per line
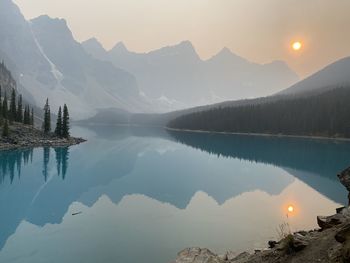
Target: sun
290 209
296 45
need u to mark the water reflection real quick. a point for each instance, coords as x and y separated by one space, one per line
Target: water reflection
309 160
11 162
140 189
62 157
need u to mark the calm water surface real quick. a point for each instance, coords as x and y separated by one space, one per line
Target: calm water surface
133 195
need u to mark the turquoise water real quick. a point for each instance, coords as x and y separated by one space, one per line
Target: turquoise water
141 195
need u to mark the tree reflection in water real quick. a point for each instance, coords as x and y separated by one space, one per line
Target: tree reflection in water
11 163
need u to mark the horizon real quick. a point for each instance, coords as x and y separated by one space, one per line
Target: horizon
152 24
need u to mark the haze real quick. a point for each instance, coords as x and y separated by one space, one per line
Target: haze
259 30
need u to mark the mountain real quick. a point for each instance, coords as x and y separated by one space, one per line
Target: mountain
334 75
167 75
176 76
7 82
96 49
48 62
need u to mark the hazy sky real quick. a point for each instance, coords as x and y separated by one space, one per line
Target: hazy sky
259 30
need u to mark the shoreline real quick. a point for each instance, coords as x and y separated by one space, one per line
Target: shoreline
262 134
53 142
24 136
344 139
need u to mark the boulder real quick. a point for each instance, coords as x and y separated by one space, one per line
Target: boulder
344 178
197 255
325 222
272 243
343 237
343 234
299 242
241 257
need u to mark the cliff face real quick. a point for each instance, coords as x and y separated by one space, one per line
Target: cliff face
7 82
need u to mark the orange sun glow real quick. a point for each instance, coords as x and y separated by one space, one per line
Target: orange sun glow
290 209
296 45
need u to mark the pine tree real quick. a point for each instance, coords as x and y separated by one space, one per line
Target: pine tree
5 129
19 110
13 111
58 130
65 122
26 116
5 107
32 117
47 118
1 116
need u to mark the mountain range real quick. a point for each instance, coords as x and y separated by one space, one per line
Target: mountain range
48 62
177 77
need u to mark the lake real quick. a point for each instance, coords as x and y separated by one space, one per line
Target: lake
133 195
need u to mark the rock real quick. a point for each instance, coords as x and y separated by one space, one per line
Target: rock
340 209
272 243
240 257
343 234
325 222
197 255
334 253
299 242
231 255
303 233
344 178
223 257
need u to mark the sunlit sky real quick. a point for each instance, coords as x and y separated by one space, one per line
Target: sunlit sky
259 30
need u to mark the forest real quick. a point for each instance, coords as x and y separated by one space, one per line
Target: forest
326 114
13 110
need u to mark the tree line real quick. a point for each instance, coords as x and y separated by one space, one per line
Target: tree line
12 111
325 114
62 122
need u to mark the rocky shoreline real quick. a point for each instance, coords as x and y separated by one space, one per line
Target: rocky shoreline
25 136
330 243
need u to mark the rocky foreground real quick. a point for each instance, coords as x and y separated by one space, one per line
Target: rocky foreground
25 136
330 243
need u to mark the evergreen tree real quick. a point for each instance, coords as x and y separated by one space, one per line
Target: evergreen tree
47 117
1 116
32 117
65 122
5 129
19 110
13 111
46 162
58 130
25 115
5 107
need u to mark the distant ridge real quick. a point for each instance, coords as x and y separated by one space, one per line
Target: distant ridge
176 75
334 75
